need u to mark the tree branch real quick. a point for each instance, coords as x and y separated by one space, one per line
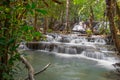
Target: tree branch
43 69
45 3
56 1
29 67
40 71
31 73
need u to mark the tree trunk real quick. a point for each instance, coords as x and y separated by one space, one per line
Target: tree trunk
4 48
117 13
45 25
67 15
91 18
35 22
29 67
111 16
61 17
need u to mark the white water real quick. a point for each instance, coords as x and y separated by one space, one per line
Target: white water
80 47
100 41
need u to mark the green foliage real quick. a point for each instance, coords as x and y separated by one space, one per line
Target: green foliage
84 8
89 32
104 28
31 6
49 30
13 29
7 77
30 33
16 14
101 29
41 11
37 36
2 41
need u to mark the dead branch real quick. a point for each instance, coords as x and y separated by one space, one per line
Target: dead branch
43 69
31 73
29 67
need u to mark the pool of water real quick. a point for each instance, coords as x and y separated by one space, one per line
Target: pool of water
66 67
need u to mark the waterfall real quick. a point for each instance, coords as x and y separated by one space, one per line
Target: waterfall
23 46
96 55
99 41
75 46
79 40
70 50
49 38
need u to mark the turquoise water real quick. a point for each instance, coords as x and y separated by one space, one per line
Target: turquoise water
69 67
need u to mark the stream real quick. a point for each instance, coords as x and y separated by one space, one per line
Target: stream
72 57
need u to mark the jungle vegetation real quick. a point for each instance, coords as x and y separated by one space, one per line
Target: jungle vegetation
29 20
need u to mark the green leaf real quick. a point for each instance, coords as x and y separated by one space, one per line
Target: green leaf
41 11
33 5
14 58
12 0
26 28
37 34
1 8
14 47
28 6
3 41
6 76
31 12
29 38
12 40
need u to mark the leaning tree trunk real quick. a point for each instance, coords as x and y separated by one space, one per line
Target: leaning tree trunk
117 13
111 16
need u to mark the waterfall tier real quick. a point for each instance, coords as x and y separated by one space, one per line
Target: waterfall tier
90 47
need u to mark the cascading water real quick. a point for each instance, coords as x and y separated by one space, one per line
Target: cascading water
100 41
77 46
72 57
22 46
79 40
96 55
70 50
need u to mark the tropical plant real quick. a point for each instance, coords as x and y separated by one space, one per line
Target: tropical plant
13 28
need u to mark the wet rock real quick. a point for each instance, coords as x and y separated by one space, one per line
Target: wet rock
65 39
80 49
